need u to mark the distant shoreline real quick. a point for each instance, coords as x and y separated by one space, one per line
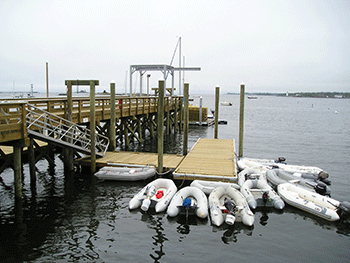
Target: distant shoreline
337 95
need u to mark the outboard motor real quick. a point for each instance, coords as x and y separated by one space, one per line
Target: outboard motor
231 207
281 160
344 209
323 176
321 188
186 203
151 191
265 197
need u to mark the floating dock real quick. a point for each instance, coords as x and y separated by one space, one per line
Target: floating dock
209 159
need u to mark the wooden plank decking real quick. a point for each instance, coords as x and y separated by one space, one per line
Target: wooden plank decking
7 150
209 159
135 158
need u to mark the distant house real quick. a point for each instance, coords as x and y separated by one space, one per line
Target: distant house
338 96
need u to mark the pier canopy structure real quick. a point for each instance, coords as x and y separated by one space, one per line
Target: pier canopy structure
165 69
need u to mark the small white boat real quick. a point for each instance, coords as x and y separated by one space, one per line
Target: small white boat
319 205
160 192
189 200
244 163
279 176
229 206
208 186
125 173
257 191
226 103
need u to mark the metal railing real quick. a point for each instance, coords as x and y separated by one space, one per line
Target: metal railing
49 127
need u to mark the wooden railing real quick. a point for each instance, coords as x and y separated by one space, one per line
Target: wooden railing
12 121
12 114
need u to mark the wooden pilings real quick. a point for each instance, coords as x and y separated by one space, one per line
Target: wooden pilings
217 98
17 167
160 124
112 124
93 125
68 153
31 160
186 117
241 120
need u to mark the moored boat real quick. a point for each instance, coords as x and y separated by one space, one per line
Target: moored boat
279 176
229 206
208 186
319 205
159 192
125 173
190 200
309 171
257 191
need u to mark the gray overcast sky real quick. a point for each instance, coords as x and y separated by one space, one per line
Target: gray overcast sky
272 46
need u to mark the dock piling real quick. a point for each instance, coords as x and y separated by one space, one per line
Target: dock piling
68 152
217 98
112 124
185 119
241 121
160 124
17 163
92 126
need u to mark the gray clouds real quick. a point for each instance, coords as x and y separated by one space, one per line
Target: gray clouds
272 46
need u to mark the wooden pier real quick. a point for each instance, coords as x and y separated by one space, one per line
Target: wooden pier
91 125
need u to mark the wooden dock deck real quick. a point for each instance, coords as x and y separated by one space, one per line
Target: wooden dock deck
209 159
170 161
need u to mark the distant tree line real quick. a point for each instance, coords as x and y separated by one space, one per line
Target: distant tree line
319 94
302 94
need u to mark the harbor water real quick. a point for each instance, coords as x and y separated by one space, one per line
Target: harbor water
83 221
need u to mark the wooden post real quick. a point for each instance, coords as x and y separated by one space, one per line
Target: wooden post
69 152
17 163
217 98
47 79
185 117
31 159
176 128
92 127
168 117
112 134
241 121
160 124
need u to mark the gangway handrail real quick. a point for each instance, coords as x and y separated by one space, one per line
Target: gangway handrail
50 127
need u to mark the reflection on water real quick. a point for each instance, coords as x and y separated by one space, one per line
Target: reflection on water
155 223
231 233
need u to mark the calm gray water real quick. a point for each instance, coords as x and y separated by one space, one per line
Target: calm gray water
82 221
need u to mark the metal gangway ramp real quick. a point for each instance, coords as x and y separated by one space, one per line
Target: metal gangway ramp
48 127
